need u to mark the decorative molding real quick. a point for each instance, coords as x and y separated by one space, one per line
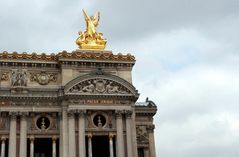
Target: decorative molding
5 76
43 78
79 54
99 86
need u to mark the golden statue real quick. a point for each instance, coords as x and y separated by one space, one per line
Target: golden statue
90 39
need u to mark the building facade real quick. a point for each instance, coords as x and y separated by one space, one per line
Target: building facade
72 104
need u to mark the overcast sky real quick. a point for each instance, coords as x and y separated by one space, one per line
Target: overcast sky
187 55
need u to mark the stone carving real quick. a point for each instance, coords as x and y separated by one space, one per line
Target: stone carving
5 76
2 121
43 78
110 119
19 77
99 86
150 128
54 121
128 113
32 121
88 117
142 135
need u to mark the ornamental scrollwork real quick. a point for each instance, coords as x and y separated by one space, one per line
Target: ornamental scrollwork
43 78
19 77
5 76
99 86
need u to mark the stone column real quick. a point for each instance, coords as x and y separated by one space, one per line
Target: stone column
128 133
81 133
89 145
111 145
72 136
32 146
54 146
134 136
64 129
3 139
146 152
152 152
23 135
120 136
12 135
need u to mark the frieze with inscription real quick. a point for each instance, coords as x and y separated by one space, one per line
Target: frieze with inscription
99 101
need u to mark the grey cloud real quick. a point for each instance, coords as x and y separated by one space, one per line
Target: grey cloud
121 20
178 44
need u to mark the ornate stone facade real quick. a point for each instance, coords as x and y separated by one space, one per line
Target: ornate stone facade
73 104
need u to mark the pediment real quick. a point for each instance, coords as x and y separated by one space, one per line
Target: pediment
100 85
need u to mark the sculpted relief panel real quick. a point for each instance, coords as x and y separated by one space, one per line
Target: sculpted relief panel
5 76
19 77
99 86
43 78
142 135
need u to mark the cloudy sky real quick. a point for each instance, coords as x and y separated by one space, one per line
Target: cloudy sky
187 60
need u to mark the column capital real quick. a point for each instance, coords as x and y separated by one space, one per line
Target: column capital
13 114
71 113
90 135
81 113
111 136
118 113
32 138
128 113
150 128
3 138
23 114
54 138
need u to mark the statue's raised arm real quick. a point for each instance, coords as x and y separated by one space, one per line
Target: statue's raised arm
96 19
85 15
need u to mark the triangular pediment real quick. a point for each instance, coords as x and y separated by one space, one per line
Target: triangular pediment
100 85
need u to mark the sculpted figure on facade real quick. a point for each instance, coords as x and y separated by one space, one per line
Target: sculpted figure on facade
99 86
2 121
90 38
19 77
142 135
90 88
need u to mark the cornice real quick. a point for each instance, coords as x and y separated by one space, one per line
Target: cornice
64 55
